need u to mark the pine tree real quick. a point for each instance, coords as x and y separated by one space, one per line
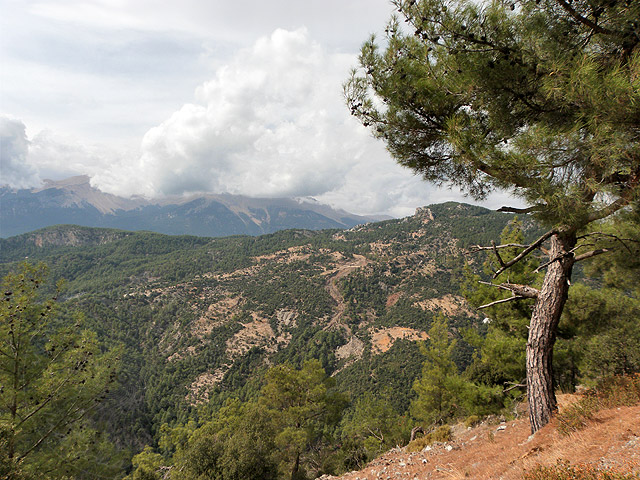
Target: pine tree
440 388
537 97
52 375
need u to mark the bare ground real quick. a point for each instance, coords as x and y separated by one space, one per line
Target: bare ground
506 450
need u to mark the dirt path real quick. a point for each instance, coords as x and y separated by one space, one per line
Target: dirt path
332 279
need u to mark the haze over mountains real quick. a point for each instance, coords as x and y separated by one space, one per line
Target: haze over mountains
75 201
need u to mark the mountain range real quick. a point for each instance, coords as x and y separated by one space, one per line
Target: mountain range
76 201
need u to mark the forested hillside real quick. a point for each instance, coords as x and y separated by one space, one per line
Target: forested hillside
297 353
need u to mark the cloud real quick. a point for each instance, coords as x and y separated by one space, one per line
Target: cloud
272 122
25 162
14 149
333 22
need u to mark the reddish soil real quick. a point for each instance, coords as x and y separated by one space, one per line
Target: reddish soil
505 450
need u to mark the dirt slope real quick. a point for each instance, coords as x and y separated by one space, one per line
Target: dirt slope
505 450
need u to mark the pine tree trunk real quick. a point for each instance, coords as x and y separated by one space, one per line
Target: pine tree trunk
542 331
296 467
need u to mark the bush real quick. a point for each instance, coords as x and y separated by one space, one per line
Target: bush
565 471
472 421
440 434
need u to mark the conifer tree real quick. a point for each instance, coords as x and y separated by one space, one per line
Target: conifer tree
304 407
52 375
540 98
440 388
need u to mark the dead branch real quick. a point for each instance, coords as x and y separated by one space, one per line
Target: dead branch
495 251
513 386
525 291
415 431
518 210
555 259
504 300
614 237
379 437
478 248
585 21
590 254
576 258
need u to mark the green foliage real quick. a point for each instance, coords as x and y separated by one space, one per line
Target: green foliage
396 369
371 427
471 421
53 373
147 465
500 355
444 394
284 433
304 408
440 387
441 434
532 99
606 331
234 446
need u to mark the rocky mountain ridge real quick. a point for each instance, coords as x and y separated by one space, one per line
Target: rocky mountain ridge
76 201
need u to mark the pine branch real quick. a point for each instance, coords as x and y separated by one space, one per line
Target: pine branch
525 252
591 254
50 431
497 254
524 291
478 248
585 21
625 199
614 237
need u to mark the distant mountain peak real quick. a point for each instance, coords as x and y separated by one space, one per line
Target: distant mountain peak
67 182
79 192
75 201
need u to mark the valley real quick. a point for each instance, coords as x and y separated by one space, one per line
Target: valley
204 322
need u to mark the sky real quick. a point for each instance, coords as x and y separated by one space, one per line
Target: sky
160 97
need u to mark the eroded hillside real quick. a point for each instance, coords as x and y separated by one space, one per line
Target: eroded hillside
201 317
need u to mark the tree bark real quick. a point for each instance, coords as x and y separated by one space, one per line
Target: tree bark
542 330
296 467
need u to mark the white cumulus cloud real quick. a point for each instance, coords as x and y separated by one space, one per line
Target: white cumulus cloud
14 150
270 123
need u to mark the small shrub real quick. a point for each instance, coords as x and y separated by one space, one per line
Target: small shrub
472 421
575 417
565 471
441 434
